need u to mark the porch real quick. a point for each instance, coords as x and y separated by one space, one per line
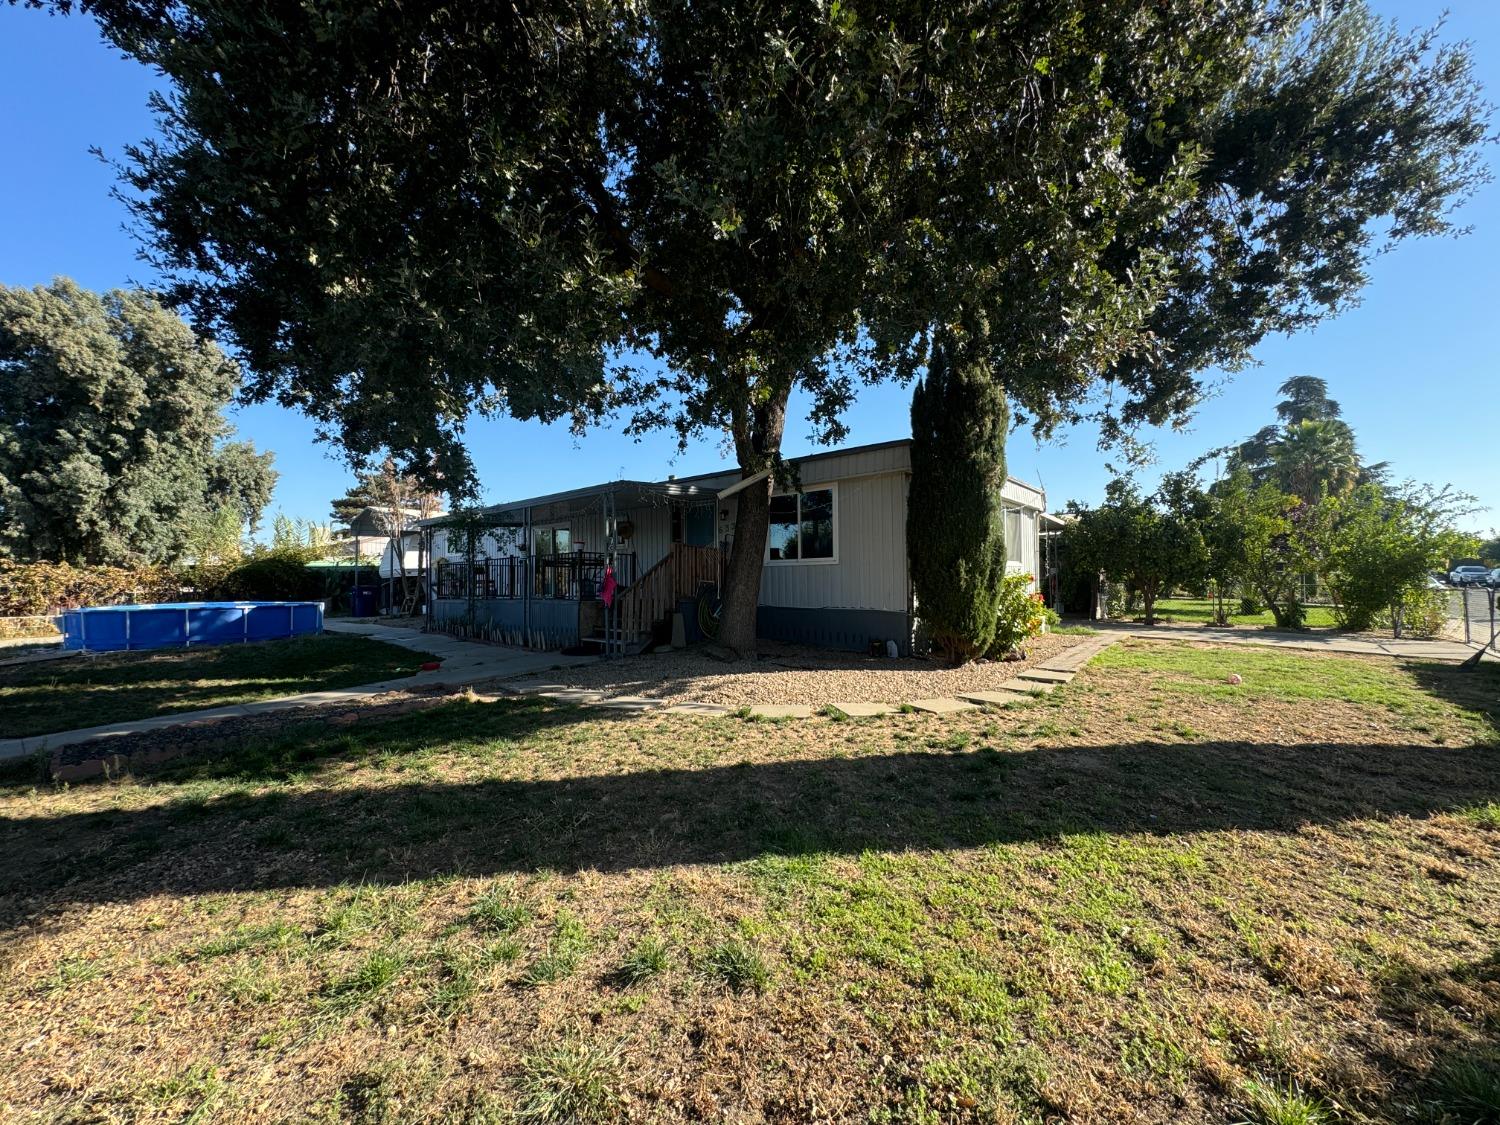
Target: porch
535 572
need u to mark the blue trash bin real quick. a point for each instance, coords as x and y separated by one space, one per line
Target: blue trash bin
364 601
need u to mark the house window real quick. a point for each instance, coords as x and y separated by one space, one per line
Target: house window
802 527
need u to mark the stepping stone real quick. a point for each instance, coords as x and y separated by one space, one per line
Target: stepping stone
699 709
940 706
573 695
994 698
629 703
782 711
1027 687
865 710
1046 676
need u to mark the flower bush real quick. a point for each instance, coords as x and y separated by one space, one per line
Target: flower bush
1020 615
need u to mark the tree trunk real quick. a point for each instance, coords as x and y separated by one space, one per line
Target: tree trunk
741 593
757 441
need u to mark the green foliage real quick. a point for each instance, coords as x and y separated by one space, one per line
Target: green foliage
649 958
1143 542
1226 521
112 445
1019 614
1279 551
1312 452
955 531
503 210
1377 549
396 495
28 589
269 576
738 967
1468 1089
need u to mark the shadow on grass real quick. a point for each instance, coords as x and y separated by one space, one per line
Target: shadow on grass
1455 1011
90 691
219 837
1475 689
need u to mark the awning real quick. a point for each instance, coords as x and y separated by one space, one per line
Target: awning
625 495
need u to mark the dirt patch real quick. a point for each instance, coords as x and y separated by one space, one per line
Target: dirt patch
791 674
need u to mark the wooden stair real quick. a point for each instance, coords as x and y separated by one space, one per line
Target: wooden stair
681 573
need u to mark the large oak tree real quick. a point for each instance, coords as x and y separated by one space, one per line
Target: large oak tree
406 214
113 443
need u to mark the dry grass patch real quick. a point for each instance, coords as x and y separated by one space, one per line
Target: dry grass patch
1138 899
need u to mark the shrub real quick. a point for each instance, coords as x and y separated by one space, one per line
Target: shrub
1020 614
272 576
1251 606
1424 613
30 589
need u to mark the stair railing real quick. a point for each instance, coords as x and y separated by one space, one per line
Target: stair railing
677 575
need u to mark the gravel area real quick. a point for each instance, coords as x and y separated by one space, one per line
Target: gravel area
790 674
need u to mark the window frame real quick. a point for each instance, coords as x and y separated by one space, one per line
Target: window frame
822 486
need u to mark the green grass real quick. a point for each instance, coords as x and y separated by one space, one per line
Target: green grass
1200 611
117 687
1266 674
650 958
738 967
1148 896
1277 1104
571 1083
1468 1090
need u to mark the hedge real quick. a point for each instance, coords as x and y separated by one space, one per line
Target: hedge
28 589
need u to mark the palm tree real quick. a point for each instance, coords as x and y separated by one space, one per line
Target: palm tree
1316 456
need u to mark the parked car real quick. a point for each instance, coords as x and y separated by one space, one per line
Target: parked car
1469 576
1495 578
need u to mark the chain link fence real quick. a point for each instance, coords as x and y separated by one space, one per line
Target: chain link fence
1477 616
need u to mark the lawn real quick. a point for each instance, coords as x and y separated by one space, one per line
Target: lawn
1145 897
84 691
1200 611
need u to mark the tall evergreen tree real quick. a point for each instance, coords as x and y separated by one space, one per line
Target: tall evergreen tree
955 530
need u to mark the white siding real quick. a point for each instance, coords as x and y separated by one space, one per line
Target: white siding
870 542
650 540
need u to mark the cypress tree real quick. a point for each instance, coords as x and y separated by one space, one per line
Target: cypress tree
955 530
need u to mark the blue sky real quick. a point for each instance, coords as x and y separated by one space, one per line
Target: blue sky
1413 365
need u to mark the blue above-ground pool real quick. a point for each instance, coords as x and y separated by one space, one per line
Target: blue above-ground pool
117 628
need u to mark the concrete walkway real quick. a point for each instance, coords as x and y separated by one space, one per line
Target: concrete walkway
464 662
1339 643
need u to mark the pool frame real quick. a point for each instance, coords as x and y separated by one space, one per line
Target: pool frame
187 624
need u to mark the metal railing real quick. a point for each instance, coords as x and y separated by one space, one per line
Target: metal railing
575 576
